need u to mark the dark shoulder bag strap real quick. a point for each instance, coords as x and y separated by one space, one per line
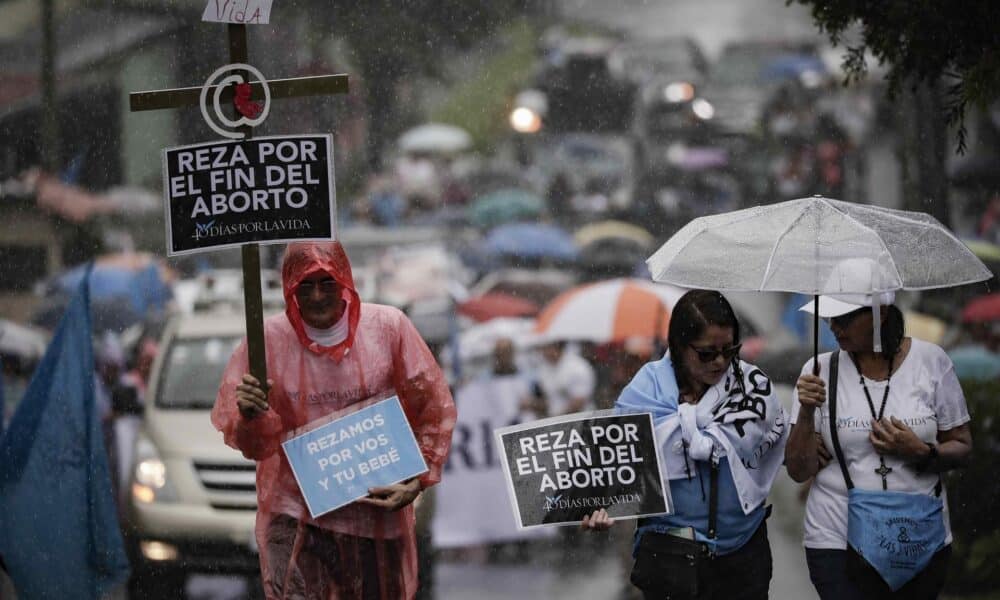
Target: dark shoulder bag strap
832 400
713 499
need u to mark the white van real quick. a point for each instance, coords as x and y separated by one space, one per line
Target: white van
192 500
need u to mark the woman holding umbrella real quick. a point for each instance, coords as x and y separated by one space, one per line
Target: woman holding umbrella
721 432
881 501
876 522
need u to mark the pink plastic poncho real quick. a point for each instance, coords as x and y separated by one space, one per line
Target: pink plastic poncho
358 551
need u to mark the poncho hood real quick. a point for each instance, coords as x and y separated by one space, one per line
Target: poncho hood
305 258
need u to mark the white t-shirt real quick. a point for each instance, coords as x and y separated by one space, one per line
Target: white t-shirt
571 377
924 393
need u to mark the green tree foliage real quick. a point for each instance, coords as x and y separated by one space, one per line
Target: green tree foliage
974 498
922 41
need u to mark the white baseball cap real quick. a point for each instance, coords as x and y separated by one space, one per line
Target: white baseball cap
835 305
848 283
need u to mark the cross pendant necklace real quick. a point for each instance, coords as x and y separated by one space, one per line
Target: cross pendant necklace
882 470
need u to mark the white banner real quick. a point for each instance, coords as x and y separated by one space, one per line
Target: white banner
472 505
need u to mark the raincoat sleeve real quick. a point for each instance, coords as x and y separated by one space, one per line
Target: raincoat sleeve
425 397
256 438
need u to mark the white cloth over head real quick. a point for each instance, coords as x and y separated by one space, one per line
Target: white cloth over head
750 429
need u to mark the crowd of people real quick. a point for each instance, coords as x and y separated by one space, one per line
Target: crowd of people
900 422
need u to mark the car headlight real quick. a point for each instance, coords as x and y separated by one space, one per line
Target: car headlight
703 109
679 91
149 480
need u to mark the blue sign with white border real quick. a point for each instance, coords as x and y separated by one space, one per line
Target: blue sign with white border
336 463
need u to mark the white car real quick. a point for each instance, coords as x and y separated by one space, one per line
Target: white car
192 500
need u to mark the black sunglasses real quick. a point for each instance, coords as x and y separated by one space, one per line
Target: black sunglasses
325 286
707 355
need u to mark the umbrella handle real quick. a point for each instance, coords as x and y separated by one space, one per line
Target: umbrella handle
816 335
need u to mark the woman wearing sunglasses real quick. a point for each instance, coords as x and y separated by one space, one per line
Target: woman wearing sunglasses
876 522
721 433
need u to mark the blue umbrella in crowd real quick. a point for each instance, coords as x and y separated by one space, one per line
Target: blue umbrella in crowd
531 241
505 206
124 289
143 288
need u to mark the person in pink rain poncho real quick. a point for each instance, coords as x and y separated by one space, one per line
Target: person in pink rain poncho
327 352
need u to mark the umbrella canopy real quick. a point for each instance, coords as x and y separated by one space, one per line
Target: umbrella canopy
975 363
803 246
613 257
435 137
611 229
817 246
924 327
531 240
478 341
493 305
537 285
505 206
108 314
138 279
609 311
983 309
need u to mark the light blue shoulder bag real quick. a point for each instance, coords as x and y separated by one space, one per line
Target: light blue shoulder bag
897 533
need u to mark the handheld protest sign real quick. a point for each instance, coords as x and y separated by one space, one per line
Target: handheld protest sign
266 190
336 461
238 89
564 468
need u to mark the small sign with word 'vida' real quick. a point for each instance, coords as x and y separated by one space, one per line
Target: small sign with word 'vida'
264 190
240 12
336 462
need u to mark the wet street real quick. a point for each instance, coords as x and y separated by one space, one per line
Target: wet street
589 567
597 571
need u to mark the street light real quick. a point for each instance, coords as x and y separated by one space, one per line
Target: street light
525 120
530 107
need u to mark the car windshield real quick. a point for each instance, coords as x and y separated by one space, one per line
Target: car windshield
741 66
656 58
192 370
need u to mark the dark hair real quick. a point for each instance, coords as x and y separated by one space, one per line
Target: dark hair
689 319
892 332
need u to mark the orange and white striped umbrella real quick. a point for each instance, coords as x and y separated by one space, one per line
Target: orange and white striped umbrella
609 311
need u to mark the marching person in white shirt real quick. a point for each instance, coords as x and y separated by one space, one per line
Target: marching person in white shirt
876 522
566 379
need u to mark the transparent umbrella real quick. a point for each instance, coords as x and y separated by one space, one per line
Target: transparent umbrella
816 246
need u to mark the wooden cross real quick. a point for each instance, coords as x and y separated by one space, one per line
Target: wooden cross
280 88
